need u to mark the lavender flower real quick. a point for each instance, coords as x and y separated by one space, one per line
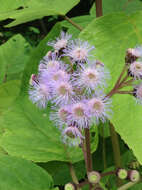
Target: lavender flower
40 94
63 93
79 115
90 78
60 116
72 136
79 51
99 109
61 42
138 93
135 70
50 62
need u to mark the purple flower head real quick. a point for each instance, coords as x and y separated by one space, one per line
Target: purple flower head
135 70
79 51
61 42
99 109
79 115
63 93
72 136
40 94
138 93
55 76
90 78
50 63
60 116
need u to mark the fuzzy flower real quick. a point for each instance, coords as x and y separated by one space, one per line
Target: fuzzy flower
79 51
54 76
63 93
40 94
60 116
135 70
138 93
99 109
50 63
79 115
72 136
90 78
61 42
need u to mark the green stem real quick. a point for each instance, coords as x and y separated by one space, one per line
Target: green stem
73 23
126 186
116 149
104 149
88 150
73 175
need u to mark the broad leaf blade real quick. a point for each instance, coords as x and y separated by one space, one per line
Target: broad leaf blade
16 173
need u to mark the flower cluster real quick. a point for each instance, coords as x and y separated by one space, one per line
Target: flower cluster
74 85
134 62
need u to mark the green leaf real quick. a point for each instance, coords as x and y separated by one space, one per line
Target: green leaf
34 137
127 121
29 134
13 56
37 9
111 6
8 93
17 173
61 173
112 35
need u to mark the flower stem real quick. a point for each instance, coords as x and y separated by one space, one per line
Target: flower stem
99 9
73 175
88 150
73 23
116 149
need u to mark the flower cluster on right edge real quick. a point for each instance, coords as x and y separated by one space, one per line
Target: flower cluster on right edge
73 81
134 62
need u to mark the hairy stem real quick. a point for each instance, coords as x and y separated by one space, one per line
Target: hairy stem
73 23
116 149
104 149
99 9
88 150
126 186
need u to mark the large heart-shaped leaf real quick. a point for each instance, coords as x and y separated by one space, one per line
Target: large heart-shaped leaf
17 173
112 35
111 6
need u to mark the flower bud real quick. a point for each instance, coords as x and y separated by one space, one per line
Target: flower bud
70 186
99 63
94 177
33 79
131 56
122 173
134 175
